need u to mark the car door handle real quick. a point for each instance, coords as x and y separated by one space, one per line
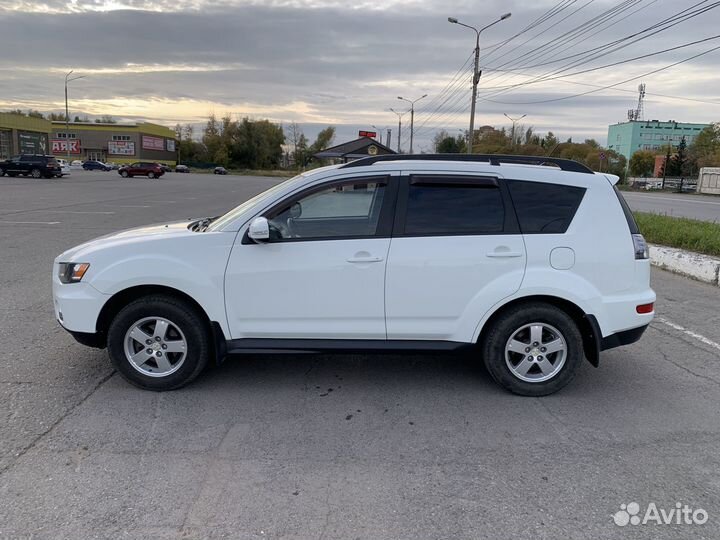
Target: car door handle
504 254
364 259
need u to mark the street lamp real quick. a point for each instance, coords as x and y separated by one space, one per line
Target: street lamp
379 132
476 72
67 113
412 116
513 120
399 115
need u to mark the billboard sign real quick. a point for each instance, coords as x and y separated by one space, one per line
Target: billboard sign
170 145
371 134
32 142
153 143
60 146
121 148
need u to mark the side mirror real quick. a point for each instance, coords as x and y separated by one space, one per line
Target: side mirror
259 230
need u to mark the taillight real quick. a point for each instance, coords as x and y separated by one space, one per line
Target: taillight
640 246
645 308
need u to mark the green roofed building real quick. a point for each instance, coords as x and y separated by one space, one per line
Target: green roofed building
20 134
626 138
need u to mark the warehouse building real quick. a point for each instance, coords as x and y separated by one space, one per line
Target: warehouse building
626 138
117 143
21 134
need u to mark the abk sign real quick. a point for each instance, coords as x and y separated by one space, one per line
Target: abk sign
60 146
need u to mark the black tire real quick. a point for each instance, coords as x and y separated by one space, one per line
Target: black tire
2 171
186 318
36 173
505 327
151 175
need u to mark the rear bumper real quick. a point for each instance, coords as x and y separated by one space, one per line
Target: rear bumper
626 337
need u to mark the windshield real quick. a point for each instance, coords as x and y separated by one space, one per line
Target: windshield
223 220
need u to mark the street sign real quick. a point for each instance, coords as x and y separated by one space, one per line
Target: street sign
371 134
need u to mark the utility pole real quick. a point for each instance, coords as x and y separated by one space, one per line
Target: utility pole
387 137
514 120
399 115
412 116
67 113
476 71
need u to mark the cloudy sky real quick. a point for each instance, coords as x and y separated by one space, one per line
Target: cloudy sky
343 63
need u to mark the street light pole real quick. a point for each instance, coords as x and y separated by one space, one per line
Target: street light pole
412 116
513 120
399 115
476 71
67 113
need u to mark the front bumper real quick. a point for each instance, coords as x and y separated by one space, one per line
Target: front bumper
77 305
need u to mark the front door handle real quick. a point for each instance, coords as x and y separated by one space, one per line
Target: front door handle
363 257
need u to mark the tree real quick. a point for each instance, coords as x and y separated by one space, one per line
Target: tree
324 139
446 144
676 166
56 117
705 149
642 163
84 119
105 119
299 144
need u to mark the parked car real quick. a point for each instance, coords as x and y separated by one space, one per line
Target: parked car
76 164
35 165
220 170
497 255
182 169
113 166
92 165
64 167
141 168
165 167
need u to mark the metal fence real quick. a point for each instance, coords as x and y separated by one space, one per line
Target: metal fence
679 185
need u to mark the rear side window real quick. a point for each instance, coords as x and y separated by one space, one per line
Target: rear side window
453 209
632 224
544 208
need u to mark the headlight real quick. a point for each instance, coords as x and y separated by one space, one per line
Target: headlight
72 272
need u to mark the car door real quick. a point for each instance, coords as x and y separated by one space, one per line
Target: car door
13 165
322 273
456 251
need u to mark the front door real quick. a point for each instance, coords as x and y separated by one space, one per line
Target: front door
322 273
456 251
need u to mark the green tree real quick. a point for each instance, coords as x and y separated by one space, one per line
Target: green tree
705 149
56 117
677 164
324 139
105 119
642 163
452 145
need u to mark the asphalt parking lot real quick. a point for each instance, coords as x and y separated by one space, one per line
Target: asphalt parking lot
336 446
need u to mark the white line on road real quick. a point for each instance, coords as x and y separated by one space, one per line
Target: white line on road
131 206
33 222
74 212
690 201
690 333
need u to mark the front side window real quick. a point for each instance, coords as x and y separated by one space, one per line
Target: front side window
341 210
544 208
453 207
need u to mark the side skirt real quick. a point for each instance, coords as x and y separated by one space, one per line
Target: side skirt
268 346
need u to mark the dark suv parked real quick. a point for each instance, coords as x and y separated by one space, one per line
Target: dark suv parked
151 170
92 165
35 165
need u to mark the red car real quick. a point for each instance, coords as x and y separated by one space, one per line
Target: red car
141 168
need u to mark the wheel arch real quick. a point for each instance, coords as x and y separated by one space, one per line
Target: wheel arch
122 298
587 324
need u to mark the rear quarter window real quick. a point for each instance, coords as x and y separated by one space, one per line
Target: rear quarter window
544 208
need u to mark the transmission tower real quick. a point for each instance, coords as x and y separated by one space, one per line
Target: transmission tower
637 113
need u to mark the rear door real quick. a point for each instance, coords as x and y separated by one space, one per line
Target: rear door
456 251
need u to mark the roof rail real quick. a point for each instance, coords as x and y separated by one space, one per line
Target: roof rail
493 159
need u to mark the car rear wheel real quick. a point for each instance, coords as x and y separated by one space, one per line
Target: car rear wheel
159 343
124 174
36 173
151 174
534 350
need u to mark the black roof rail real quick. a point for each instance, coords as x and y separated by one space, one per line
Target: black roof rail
493 159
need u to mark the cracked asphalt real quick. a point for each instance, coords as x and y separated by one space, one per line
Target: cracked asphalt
336 446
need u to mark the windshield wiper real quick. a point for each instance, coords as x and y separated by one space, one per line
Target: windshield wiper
202 225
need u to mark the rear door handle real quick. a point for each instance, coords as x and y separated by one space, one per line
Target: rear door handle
503 254
364 259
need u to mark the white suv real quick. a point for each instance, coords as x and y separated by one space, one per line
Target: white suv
530 266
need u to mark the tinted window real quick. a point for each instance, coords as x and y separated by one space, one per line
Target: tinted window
350 209
446 208
544 208
632 224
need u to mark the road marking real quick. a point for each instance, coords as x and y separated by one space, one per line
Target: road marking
74 212
640 197
690 333
131 206
33 222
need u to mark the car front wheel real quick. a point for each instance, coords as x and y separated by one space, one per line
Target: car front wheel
159 343
151 174
36 173
534 350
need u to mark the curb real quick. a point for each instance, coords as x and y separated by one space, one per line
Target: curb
687 263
